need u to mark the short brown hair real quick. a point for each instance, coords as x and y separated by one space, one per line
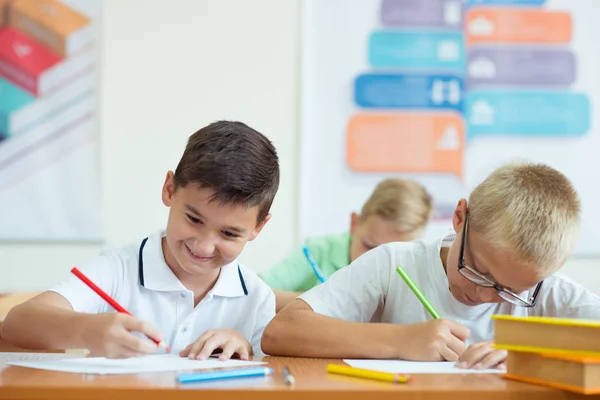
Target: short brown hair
403 202
529 209
239 163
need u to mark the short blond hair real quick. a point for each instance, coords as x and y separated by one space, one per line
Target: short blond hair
531 210
406 203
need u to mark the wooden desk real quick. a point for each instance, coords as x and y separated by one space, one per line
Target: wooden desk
312 382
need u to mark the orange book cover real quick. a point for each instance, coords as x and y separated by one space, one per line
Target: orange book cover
53 23
575 373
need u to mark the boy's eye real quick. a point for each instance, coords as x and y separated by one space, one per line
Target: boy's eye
193 219
230 234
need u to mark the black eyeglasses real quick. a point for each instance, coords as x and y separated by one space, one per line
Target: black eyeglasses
479 279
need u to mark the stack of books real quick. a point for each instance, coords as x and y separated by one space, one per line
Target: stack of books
555 352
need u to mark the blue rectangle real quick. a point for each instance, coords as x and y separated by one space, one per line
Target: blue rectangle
11 99
429 50
471 3
408 91
527 113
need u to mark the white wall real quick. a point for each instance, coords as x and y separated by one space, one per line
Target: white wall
168 69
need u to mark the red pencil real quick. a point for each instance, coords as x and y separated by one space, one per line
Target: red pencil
111 301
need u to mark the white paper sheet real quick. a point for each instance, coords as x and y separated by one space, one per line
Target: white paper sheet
7 357
105 366
417 367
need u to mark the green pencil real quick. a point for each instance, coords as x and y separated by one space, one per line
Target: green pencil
417 292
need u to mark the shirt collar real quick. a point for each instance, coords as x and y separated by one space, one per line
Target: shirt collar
230 282
155 274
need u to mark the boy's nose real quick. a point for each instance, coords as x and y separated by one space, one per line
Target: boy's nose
205 247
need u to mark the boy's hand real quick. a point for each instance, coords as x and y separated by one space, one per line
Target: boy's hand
481 356
111 335
228 340
435 340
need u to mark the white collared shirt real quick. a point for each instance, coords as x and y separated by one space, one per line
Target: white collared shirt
370 290
141 281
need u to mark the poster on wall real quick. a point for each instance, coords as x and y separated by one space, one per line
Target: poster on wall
444 92
49 157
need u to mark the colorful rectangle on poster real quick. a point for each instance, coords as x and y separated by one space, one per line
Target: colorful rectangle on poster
408 91
522 66
444 14
430 50
33 67
12 99
406 142
53 23
471 3
527 113
19 118
517 25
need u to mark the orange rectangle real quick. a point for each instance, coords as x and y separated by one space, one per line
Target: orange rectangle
514 25
54 24
406 142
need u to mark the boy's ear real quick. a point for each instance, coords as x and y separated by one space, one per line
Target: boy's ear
354 221
168 189
259 227
459 215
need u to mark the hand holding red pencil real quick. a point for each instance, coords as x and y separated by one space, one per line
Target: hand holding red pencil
110 334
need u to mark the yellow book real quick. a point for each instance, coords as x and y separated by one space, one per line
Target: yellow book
547 335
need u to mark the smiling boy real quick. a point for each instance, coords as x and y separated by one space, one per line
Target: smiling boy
184 284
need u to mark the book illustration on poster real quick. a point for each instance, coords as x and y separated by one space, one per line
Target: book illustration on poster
48 58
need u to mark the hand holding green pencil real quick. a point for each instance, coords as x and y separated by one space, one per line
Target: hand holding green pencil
434 340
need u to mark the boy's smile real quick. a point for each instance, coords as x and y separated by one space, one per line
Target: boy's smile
197 257
203 235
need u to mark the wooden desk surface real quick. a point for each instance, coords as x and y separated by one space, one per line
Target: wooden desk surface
312 382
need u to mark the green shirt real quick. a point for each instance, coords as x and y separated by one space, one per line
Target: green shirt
294 274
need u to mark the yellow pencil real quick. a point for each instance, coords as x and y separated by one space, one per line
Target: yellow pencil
367 374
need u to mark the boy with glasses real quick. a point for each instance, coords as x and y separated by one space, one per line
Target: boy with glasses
513 235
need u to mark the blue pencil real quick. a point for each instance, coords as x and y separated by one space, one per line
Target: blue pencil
224 374
314 265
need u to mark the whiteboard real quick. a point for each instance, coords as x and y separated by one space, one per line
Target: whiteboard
472 84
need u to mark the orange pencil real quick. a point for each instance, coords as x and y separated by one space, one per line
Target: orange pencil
111 301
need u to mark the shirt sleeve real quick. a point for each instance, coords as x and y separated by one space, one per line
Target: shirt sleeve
105 271
293 274
265 313
356 292
564 298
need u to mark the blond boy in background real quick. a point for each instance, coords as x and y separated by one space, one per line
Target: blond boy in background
398 210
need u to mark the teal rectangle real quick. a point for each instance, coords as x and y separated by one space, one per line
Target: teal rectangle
527 113
11 99
407 49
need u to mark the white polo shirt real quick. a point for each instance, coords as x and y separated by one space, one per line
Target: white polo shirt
139 279
370 290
